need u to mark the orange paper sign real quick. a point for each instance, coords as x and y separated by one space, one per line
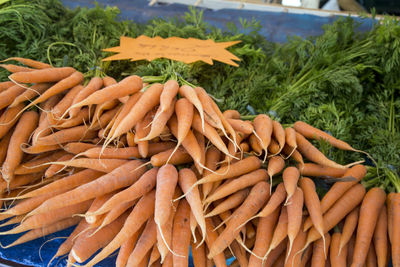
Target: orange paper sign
186 50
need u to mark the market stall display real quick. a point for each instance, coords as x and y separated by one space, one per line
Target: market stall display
141 149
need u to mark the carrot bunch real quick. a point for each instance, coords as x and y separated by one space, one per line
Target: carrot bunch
156 170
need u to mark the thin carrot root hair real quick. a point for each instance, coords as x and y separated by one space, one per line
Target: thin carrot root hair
165 242
354 163
239 240
173 152
290 154
251 218
222 223
44 243
144 164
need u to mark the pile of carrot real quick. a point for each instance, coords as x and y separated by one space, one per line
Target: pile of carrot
156 170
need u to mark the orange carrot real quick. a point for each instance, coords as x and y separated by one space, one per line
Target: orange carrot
337 259
42 75
213 156
237 184
338 211
201 141
15 68
276 199
36 165
313 154
231 114
380 238
293 258
103 165
145 243
313 205
5 85
371 257
198 253
190 94
30 93
7 119
312 169
171 88
8 96
181 234
295 154
294 211
120 177
278 252
257 197
4 146
179 157
95 84
211 237
229 203
350 250
264 233
290 177
274 147
255 144
275 166
142 211
320 251
369 212
280 232
349 227
395 206
30 63
149 99
141 187
339 188
313 133
263 129
55 116
389 203
87 244
46 230
186 179
73 134
23 130
241 126
126 249
279 134
54 169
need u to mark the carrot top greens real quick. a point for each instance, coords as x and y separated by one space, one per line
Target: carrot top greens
344 81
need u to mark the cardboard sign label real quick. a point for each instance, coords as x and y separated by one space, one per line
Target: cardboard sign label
186 50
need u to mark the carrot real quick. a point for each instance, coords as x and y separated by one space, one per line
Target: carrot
126 249
74 134
36 165
349 227
180 157
231 114
101 109
190 94
213 156
337 259
103 165
295 154
312 169
263 130
293 258
198 253
290 177
23 130
313 205
389 203
171 88
142 130
313 133
273 256
186 179
211 237
395 206
201 141
339 188
210 133
181 234
306 257
276 199
8 96
30 93
142 211
257 197
255 144
380 238
5 85
290 137
127 86
87 244
279 133
8 119
338 211
139 188
57 111
320 249
78 147
160 120
239 254
47 218
120 177
264 233
30 63
280 232
149 99
54 169
229 203
313 154
295 210
237 184
145 243
371 257
275 166
46 230
369 212
350 250
94 85
15 68
241 126
97 203
4 146
155 254
280 261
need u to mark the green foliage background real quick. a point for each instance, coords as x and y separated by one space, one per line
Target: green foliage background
344 82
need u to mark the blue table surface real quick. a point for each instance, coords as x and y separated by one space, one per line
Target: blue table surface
275 27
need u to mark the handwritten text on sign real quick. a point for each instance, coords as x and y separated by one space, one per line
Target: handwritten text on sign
186 50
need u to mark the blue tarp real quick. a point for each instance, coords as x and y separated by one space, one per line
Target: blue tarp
275 27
